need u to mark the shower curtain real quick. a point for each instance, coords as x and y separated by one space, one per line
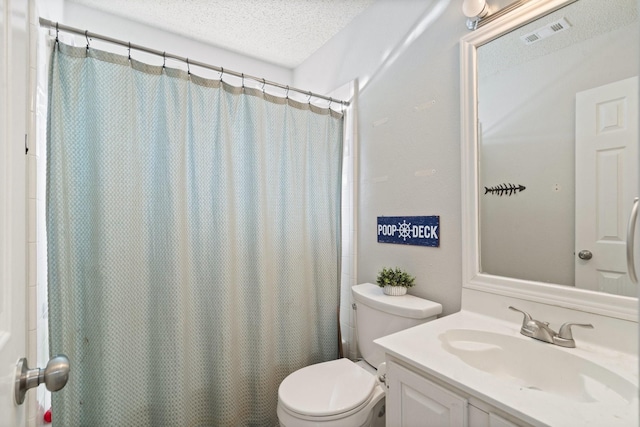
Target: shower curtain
193 243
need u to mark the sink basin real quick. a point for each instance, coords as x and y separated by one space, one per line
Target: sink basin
538 366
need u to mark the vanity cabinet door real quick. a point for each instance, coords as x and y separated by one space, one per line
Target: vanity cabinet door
413 401
498 421
480 418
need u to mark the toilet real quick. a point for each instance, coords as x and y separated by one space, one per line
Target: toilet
342 393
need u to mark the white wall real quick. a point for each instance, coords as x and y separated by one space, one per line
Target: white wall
359 52
372 39
405 55
83 17
410 157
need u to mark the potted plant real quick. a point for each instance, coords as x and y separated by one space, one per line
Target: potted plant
394 281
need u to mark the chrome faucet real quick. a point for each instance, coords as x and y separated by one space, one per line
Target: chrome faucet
541 330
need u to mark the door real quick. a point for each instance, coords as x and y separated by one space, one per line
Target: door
606 184
13 112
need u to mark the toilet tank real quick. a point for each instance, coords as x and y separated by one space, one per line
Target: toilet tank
378 315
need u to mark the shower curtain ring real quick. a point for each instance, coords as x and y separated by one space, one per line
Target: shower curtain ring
57 32
221 74
264 82
86 35
129 55
330 102
188 67
287 94
242 80
164 59
309 99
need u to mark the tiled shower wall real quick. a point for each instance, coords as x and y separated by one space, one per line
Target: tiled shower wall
32 202
349 225
40 117
39 400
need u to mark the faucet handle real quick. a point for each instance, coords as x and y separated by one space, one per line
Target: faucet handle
527 316
528 324
565 330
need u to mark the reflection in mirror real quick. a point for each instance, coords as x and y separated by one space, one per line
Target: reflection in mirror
558 147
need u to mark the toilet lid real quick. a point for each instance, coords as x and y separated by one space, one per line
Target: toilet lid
327 388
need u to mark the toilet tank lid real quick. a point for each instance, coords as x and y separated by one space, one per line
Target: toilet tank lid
405 305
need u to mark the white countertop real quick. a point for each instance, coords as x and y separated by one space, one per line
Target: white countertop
422 347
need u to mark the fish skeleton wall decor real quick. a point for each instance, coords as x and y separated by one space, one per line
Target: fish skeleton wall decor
503 189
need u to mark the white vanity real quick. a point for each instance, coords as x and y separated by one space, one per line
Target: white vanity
474 368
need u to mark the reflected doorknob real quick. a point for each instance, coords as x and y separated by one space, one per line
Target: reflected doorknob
54 376
585 255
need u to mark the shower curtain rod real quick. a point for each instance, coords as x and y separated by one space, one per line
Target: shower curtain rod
61 27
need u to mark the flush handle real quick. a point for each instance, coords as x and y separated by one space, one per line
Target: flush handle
585 255
54 376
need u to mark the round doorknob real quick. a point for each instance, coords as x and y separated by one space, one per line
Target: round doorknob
585 255
54 376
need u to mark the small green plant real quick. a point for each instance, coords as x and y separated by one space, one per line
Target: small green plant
394 277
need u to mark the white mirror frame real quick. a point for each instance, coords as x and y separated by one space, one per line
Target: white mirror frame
563 296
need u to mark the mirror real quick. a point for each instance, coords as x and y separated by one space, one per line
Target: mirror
528 81
528 78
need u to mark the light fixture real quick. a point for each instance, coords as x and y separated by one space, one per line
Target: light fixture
474 10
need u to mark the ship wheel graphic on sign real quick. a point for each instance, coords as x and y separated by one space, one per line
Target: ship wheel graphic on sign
404 229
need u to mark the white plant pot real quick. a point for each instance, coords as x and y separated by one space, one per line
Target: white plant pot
394 290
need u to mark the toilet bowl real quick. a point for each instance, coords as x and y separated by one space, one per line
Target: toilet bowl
342 393
337 393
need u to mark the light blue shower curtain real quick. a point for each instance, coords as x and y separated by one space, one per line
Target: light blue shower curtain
193 243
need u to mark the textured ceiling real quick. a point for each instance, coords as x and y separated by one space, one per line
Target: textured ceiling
588 18
282 32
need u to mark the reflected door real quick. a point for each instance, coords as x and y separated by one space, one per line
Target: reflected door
606 184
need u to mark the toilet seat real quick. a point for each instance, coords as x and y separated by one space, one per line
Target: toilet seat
333 389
